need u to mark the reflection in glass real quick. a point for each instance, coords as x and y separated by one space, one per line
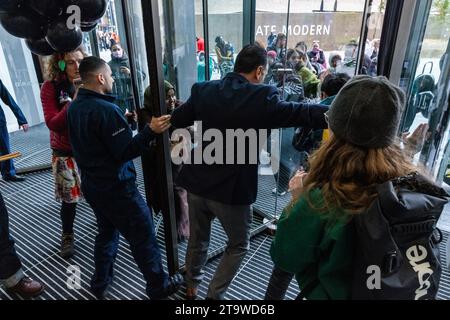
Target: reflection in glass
18 76
273 186
425 81
110 29
122 87
225 56
225 35
87 44
113 48
135 16
335 29
183 66
201 66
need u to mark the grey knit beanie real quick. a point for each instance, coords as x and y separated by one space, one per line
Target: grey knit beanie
367 112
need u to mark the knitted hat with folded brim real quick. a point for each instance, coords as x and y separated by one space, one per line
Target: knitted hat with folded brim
367 112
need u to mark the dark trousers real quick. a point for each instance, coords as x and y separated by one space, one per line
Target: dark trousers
121 209
278 284
6 167
67 213
9 261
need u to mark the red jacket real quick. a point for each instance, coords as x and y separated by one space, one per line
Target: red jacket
56 118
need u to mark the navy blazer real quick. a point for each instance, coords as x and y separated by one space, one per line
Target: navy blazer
8 100
235 103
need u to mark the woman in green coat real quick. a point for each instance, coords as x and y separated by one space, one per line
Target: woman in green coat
315 236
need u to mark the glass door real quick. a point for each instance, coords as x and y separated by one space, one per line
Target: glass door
271 19
18 77
425 77
225 26
308 41
210 33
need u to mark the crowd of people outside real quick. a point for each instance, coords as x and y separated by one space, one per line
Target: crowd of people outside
320 62
106 39
303 75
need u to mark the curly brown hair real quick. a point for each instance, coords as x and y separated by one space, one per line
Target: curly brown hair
53 72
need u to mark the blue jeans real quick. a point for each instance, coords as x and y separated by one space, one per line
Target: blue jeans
6 167
122 209
10 265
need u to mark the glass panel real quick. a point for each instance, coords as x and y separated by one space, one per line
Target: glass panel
225 34
426 82
87 43
180 45
17 73
317 39
374 29
201 59
274 171
113 48
181 25
111 29
135 16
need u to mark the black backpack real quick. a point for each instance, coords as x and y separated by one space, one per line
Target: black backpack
397 254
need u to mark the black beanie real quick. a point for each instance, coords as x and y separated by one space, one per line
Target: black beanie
367 112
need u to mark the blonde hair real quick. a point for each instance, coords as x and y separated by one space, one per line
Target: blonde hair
347 175
54 73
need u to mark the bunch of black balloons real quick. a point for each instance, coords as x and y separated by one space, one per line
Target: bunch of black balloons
51 26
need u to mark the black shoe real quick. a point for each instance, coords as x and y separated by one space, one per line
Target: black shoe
67 246
100 295
14 179
100 292
173 285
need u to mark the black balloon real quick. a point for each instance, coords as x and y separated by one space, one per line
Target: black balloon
47 8
24 25
91 10
39 47
63 39
9 5
88 27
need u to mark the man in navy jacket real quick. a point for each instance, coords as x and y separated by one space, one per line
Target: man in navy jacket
227 191
104 147
7 167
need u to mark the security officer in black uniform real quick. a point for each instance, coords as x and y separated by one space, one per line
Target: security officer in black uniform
104 147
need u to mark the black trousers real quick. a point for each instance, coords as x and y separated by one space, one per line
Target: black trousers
9 261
